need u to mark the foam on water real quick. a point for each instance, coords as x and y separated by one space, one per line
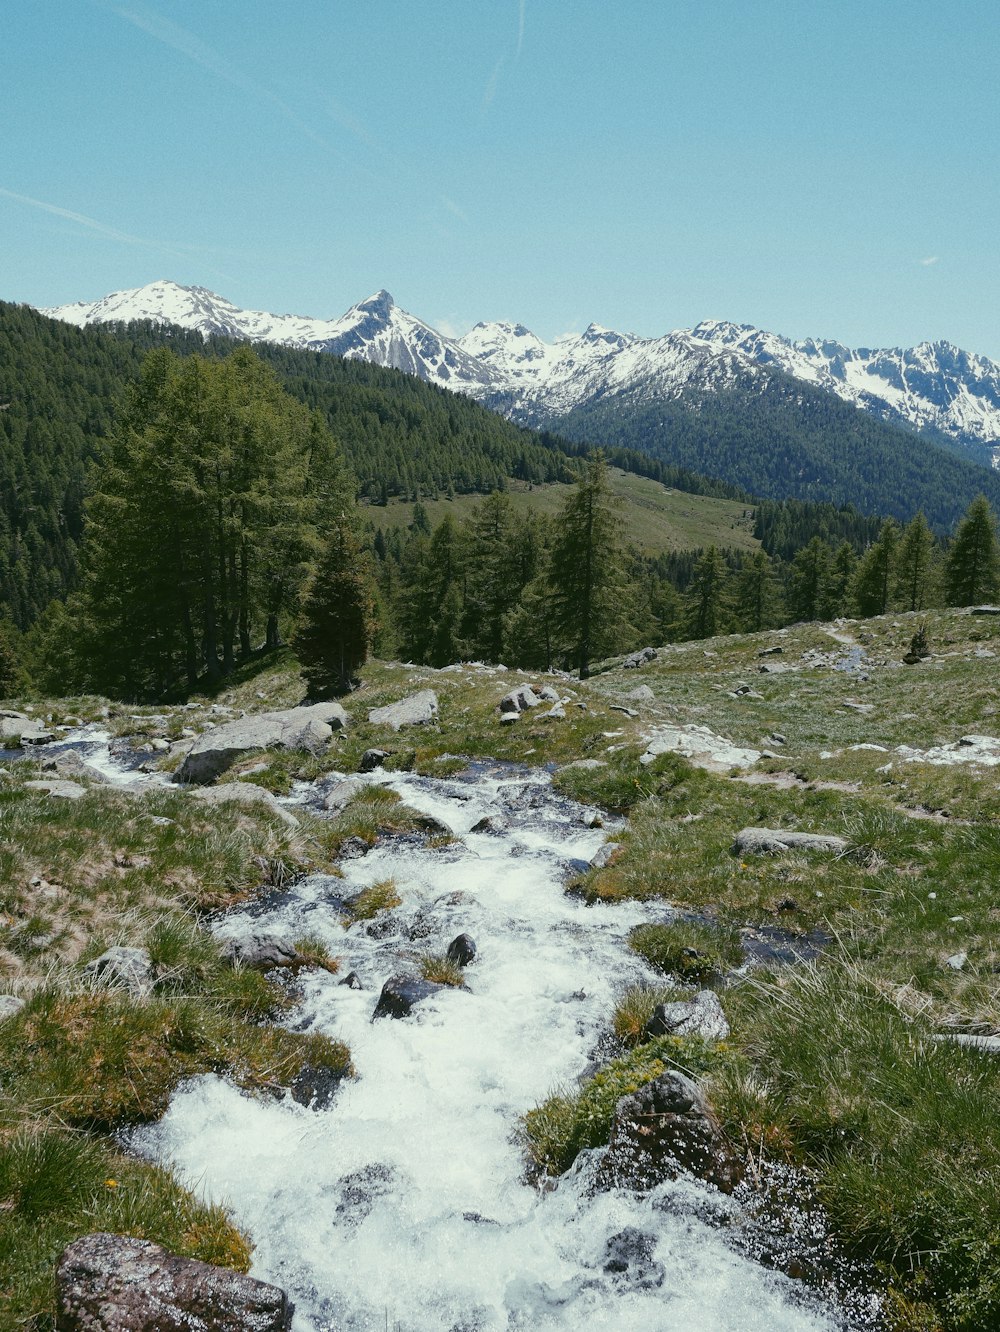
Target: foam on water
403 1204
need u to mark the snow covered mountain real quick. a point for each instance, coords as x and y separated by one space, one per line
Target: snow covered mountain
931 386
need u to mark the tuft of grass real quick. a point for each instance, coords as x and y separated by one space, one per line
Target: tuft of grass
371 902
689 949
635 1008
55 1186
441 970
555 1132
900 1129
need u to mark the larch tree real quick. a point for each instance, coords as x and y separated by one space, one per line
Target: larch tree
706 603
585 569
876 572
972 570
915 565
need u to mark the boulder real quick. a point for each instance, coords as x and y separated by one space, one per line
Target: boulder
10 1006
984 610
629 1254
490 825
352 980
701 1016
462 950
116 1283
314 1086
663 1130
641 694
636 659
604 855
37 735
372 759
122 968
773 841
309 728
244 793
547 694
521 699
70 766
262 952
401 993
56 787
417 710
341 794
432 826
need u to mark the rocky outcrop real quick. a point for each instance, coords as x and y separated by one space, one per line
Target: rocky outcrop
372 759
417 710
636 659
262 952
774 841
214 751
62 790
400 994
115 1283
663 1130
71 767
701 1016
119 968
244 793
520 700
701 746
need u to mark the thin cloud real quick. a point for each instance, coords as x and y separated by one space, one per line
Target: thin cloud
185 43
101 228
491 86
520 24
453 207
931 259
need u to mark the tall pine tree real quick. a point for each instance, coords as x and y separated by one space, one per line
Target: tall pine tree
971 572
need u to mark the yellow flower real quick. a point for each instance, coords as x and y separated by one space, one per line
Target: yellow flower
110 1183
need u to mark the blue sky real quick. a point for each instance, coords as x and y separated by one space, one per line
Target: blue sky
826 169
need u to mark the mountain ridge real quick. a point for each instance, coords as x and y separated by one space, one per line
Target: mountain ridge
933 388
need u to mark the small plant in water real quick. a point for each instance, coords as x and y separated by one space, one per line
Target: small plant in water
367 904
690 949
441 970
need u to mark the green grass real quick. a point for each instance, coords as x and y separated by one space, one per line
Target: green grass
441 970
657 519
371 902
690 950
635 1008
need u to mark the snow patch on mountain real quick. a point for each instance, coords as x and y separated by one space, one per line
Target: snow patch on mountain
933 385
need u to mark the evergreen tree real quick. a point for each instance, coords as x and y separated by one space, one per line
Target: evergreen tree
494 575
337 620
875 576
586 569
757 594
914 565
971 571
808 588
10 668
706 602
840 580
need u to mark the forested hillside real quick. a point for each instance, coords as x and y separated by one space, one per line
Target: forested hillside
61 387
782 439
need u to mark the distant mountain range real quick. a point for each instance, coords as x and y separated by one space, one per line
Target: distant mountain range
934 388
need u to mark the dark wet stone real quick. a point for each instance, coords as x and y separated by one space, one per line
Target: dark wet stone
400 994
353 849
630 1254
462 950
361 1189
315 1087
372 759
352 980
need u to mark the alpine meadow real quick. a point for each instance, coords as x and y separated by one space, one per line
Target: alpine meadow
499 823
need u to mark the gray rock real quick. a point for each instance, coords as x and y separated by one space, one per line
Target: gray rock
770 652
547 694
773 841
663 1130
490 825
352 980
56 787
620 707
262 952
641 694
507 717
244 793
603 856
341 794
417 710
521 699
701 1016
584 765
636 659
462 950
72 767
984 610
372 759
401 993
353 848
309 728
37 735
122 968
957 961
10 1006
629 1254
116 1283
556 713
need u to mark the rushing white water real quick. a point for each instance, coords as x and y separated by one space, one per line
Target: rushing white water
403 1204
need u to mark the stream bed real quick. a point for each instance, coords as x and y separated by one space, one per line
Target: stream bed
403 1204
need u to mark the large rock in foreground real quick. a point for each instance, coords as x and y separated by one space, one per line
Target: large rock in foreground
401 993
417 710
774 841
663 1130
213 752
114 1283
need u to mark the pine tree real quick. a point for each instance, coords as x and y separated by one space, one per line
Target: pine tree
706 602
757 594
808 588
10 670
337 620
971 571
875 576
840 580
585 570
494 576
914 565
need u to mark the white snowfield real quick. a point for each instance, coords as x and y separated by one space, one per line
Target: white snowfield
933 385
